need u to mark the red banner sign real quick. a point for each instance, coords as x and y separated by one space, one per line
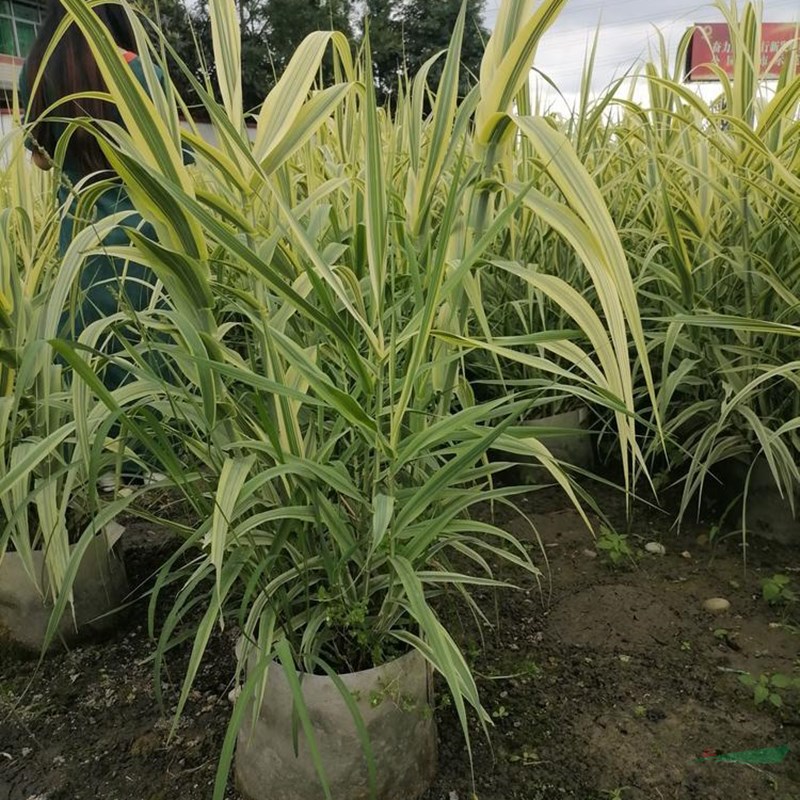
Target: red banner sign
711 44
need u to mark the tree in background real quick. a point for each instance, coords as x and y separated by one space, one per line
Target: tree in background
179 26
403 35
427 28
385 23
258 70
271 32
290 21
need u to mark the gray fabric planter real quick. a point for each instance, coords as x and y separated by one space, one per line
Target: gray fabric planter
769 516
576 447
100 585
395 702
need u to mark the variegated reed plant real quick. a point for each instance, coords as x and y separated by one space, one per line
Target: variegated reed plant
557 270
707 201
322 275
47 496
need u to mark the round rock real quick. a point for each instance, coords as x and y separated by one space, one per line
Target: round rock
716 605
656 548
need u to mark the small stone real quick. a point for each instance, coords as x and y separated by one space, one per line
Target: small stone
625 659
26 751
716 605
656 548
686 554
233 694
590 553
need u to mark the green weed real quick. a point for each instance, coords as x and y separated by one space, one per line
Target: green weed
776 590
614 545
770 688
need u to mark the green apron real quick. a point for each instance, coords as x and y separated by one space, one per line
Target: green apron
106 285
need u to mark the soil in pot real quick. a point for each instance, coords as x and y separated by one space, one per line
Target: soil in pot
395 703
100 586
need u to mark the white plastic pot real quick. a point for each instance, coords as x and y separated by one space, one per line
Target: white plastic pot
395 702
99 587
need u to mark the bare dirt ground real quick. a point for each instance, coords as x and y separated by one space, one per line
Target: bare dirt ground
607 683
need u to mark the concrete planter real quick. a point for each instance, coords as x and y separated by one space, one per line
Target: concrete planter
100 586
395 702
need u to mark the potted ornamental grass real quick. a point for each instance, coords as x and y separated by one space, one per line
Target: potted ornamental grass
517 312
320 290
60 565
710 220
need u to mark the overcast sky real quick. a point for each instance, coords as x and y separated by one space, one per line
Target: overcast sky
627 30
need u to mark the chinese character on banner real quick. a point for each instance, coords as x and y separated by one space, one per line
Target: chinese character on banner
711 45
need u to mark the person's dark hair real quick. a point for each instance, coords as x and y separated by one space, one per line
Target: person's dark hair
72 69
